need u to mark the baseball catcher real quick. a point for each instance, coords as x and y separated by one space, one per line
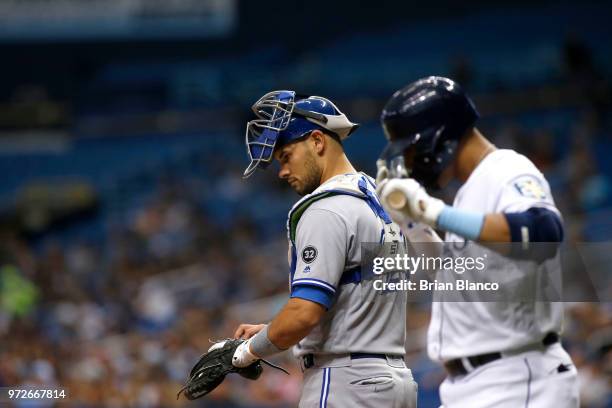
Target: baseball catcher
348 339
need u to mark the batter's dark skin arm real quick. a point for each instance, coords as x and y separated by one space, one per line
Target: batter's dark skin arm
295 320
495 229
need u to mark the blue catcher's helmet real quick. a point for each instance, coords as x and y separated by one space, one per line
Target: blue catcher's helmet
283 117
431 114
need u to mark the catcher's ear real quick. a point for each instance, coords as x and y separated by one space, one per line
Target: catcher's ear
318 141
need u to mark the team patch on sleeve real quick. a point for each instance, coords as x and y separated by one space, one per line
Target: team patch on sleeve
530 187
309 254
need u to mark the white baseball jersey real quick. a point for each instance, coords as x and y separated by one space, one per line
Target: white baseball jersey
503 182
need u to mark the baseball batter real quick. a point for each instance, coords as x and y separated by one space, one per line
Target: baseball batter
348 339
497 354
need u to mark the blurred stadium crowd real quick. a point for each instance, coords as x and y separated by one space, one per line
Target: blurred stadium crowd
121 258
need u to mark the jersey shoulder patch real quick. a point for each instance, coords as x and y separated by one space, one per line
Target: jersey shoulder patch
309 254
530 187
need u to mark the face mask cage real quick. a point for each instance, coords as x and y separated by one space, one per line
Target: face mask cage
273 112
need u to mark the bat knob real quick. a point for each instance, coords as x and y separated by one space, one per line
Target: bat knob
396 200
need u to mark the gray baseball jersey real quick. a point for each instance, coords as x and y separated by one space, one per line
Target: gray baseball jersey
326 247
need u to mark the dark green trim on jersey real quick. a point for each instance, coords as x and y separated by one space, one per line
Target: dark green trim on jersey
296 214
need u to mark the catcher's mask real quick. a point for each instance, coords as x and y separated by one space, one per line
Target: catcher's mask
283 117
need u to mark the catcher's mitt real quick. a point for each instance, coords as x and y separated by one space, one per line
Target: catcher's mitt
213 366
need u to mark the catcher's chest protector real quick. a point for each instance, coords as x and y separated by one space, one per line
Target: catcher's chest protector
358 185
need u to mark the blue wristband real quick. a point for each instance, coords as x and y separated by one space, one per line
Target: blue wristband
465 223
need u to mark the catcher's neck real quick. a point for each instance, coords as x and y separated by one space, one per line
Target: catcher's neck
335 166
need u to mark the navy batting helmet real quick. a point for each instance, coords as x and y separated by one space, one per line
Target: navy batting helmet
283 117
431 114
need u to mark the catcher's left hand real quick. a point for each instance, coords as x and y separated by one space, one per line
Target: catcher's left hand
213 366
